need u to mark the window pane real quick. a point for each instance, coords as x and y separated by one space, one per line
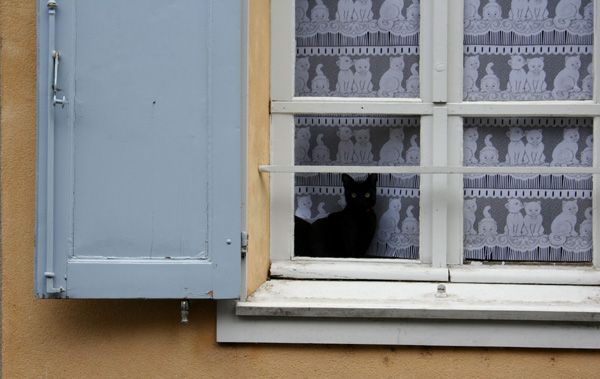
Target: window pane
367 48
528 217
528 50
362 141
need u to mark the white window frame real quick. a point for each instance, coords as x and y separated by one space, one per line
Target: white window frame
418 319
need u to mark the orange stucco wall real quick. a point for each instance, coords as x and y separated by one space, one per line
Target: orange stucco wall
143 339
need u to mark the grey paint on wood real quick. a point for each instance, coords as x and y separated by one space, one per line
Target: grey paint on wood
147 150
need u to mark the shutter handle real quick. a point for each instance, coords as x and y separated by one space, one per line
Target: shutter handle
55 89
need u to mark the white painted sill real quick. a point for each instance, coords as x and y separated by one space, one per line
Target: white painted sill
410 313
464 301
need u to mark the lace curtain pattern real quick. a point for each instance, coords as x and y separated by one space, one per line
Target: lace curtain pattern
528 217
528 50
362 141
357 48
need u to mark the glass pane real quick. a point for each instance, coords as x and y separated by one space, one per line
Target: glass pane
361 141
532 218
363 48
528 50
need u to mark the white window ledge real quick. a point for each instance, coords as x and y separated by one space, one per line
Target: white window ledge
422 300
409 313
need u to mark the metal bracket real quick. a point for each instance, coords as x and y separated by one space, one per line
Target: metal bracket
185 311
244 244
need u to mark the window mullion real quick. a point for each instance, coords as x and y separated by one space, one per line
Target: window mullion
439 200
455 192
596 198
440 52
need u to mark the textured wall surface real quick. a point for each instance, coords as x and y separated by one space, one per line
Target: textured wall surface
143 339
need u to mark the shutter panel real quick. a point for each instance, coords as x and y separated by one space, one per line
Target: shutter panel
138 191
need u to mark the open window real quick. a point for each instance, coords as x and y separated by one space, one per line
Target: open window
503 122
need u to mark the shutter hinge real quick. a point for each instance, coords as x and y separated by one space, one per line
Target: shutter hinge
244 243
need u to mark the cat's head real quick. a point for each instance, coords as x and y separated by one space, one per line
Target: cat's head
571 135
397 63
533 208
345 133
588 11
360 196
413 12
470 205
302 64
516 62
534 137
362 136
413 156
304 202
303 133
515 134
570 207
573 63
535 65
472 62
362 65
344 63
397 134
471 134
514 205
320 154
412 84
490 84
410 226
492 11
488 227
395 205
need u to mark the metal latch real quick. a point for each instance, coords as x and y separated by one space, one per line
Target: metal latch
244 243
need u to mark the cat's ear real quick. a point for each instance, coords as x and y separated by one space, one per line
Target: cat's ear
507 205
347 179
372 178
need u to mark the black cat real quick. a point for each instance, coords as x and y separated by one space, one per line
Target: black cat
344 234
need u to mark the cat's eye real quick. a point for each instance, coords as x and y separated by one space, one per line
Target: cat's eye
367 195
353 195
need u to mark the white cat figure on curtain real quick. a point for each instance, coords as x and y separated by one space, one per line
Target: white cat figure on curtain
410 225
587 226
565 152
304 204
391 80
469 208
362 77
413 154
319 13
413 12
388 224
490 83
534 149
301 83
532 223
536 76
518 10
320 83
517 76
515 219
471 10
563 225
302 144
345 76
587 84
587 155
362 147
363 10
470 137
516 147
390 11
320 153
567 11
566 80
345 10
302 11
537 10
588 12
345 146
487 226
413 83
489 154
391 152
470 74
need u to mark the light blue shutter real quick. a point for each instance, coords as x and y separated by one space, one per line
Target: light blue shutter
138 190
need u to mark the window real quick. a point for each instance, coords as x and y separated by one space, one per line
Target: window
504 207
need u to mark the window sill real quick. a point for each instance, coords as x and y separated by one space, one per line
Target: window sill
405 313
